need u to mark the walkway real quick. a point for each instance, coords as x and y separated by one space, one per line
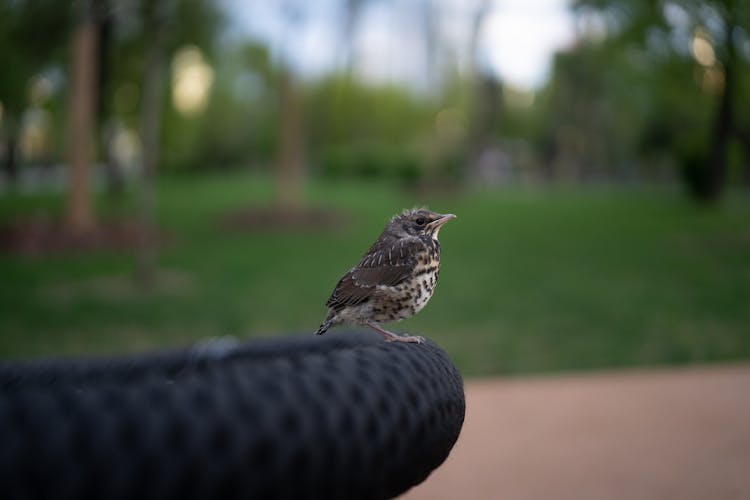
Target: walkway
678 433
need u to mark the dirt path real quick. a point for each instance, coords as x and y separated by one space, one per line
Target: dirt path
636 435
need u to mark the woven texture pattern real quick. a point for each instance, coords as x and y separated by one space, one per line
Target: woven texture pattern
343 416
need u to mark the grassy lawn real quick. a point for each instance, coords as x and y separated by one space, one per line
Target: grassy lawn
531 281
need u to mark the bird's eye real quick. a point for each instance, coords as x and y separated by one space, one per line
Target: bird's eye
421 221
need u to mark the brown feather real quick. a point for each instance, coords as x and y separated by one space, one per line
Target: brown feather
388 262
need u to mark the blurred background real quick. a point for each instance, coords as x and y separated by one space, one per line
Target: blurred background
172 170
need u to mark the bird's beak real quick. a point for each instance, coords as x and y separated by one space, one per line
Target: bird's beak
437 223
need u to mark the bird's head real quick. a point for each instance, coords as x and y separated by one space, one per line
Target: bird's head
417 222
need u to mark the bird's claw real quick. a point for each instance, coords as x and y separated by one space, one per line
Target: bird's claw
413 339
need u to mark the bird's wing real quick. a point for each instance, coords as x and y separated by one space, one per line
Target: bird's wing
386 265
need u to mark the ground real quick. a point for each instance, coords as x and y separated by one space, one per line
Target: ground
532 280
43 235
679 433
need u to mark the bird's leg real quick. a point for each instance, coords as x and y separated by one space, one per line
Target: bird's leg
392 337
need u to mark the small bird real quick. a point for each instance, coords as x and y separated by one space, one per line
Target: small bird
394 280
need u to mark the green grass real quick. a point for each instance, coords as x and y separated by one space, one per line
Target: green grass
531 281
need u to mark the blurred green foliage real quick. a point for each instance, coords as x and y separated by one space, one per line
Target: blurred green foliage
368 160
626 103
532 280
356 130
33 35
663 101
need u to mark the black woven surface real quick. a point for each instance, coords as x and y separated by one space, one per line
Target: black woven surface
343 416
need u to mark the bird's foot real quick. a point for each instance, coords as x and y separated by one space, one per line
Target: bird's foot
392 337
414 339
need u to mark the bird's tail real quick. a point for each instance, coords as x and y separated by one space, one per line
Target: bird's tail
323 327
331 320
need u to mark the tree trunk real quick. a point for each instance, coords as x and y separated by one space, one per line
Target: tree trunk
80 216
485 104
113 175
723 123
290 163
744 137
720 135
351 18
10 161
153 86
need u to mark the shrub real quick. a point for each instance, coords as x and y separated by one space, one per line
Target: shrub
366 160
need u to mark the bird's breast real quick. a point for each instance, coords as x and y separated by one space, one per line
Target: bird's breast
424 281
410 296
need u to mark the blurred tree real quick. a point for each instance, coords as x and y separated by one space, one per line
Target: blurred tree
709 31
239 128
360 129
33 35
156 14
595 107
486 91
351 19
291 150
81 124
356 111
290 163
189 23
735 18
431 35
106 18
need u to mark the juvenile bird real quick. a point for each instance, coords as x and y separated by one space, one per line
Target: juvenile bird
395 278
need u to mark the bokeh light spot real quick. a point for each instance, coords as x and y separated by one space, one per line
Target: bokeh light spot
702 50
192 78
